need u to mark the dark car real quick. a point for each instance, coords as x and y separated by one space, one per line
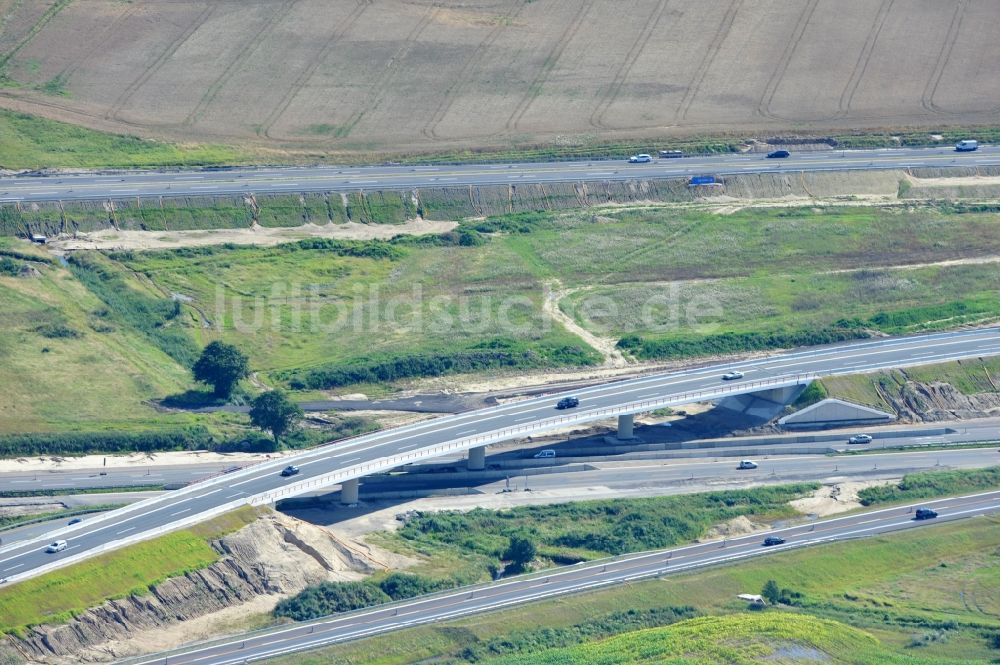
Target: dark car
289 470
773 540
925 514
567 403
778 154
75 520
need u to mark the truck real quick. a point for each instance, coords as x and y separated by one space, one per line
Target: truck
966 145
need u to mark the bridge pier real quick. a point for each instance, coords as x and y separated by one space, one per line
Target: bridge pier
349 492
625 426
477 459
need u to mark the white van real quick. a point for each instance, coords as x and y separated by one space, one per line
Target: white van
545 454
967 145
57 546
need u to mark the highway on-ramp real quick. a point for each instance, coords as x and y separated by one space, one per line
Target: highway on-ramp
570 579
211 182
339 462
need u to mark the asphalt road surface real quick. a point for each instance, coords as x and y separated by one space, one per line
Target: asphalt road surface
354 458
975 431
463 602
332 179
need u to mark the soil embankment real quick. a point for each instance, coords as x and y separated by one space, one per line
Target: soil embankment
271 559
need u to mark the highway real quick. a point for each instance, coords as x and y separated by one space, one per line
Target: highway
339 462
177 475
209 182
462 602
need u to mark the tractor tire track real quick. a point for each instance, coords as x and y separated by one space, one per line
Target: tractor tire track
314 64
134 87
451 94
706 62
550 62
861 66
43 20
381 83
252 44
621 75
764 105
954 30
99 44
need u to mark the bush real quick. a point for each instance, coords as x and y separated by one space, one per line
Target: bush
400 586
153 317
733 342
491 354
330 598
57 331
10 267
930 484
82 443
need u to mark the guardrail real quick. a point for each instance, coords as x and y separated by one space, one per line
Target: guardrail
507 433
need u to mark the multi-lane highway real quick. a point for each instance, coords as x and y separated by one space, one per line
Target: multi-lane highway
69 187
341 462
571 579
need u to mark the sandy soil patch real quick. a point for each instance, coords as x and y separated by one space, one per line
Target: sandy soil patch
139 460
839 498
112 239
604 345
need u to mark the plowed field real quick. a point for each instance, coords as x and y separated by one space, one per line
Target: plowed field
367 75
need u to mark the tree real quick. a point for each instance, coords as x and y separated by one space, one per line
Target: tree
520 552
771 593
222 366
274 412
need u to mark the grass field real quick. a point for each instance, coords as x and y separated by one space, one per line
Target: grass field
937 582
661 272
513 73
56 596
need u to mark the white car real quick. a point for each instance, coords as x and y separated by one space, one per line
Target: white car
732 376
860 438
57 546
640 159
747 464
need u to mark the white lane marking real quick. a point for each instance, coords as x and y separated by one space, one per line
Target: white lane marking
131 528
13 567
313 461
190 178
205 187
186 510
124 191
602 173
353 459
248 480
288 184
468 431
234 495
521 420
361 182
447 179
410 447
202 496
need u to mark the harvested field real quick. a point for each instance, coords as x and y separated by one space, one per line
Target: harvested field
402 75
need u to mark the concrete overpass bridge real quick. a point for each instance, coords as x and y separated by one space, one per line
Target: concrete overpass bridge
345 462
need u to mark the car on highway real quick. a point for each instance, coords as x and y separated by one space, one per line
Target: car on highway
642 158
75 520
860 438
773 540
57 546
732 376
966 145
545 454
925 514
671 154
778 154
289 470
747 464
3 580
567 403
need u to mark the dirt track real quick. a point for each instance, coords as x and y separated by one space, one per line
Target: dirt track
414 74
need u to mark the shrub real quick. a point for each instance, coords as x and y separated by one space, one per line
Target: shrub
330 598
